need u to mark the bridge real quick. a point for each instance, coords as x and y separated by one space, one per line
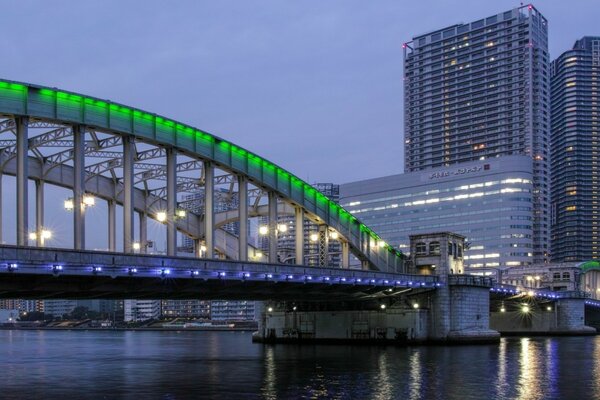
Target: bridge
214 193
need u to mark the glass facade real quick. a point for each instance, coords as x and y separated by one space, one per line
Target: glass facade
478 91
489 202
574 150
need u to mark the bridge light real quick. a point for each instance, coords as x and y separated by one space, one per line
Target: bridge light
525 309
314 237
270 309
502 309
136 245
382 306
549 308
290 277
69 204
203 248
333 235
89 200
222 274
180 213
309 278
263 229
282 228
373 281
531 293
164 272
12 267
258 255
381 244
46 234
57 268
342 279
246 275
32 236
195 273
358 280
161 216
386 281
416 306
95 270
132 271
294 308
269 276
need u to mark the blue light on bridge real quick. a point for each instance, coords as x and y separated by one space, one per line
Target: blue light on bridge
246 275
96 269
308 278
289 277
12 267
222 274
269 276
132 271
164 272
195 273
57 268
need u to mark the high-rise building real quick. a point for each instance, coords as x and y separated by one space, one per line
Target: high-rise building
574 146
481 90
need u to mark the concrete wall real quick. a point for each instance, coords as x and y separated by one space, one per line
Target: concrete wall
567 316
394 325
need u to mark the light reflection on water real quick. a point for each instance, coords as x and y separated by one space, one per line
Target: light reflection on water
225 365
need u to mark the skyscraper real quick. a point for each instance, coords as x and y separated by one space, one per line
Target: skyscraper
480 90
574 151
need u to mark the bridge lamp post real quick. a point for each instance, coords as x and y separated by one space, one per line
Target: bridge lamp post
161 216
44 235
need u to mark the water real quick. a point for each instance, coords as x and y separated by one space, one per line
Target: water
226 365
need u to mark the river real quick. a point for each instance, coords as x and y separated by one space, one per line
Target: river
226 365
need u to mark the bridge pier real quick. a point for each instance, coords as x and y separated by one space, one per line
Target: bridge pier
456 311
564 316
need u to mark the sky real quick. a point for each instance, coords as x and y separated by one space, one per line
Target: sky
313 86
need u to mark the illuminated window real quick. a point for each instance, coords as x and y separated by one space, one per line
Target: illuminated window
421 249
571 208
434 248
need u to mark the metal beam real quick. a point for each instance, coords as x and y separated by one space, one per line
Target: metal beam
143 232
272 227
128 151
22 181
243 216
171 201
209 209
78 187
39 212
299 224
112 225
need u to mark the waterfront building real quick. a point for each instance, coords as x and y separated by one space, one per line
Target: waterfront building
141 310
489 202
574 149
186 309
58 308
227 310
478 91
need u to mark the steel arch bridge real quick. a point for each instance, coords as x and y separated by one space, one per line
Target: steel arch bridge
166 170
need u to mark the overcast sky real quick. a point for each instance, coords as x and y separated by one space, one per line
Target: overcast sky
314 86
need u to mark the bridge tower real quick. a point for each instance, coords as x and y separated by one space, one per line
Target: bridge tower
459 308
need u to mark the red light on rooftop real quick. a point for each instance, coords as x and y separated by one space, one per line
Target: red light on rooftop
530 7
403 45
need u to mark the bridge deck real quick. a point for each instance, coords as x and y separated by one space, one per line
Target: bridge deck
27 272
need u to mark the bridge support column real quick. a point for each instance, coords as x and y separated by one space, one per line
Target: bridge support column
299 239
345 254
209 209
171 201
143 232
78 187
323 246
22 180
272 227
1 211
128 238
112 225
39 212
243 217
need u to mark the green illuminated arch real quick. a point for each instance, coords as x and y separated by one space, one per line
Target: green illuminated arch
23 99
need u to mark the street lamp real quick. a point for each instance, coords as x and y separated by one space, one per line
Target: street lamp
314 237
89 200
333 235
69 204
161 216
282 228
263 229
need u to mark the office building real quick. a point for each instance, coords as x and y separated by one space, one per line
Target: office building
227 310
489 202
574 150
141 310
478 91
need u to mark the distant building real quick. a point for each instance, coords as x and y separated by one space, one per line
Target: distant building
227 310
58 308
478 91
141 310
575 144
489 202
186 308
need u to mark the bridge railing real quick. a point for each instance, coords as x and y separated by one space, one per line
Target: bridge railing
32 260
470 280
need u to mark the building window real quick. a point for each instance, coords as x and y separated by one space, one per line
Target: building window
434 248
450 248
556 276
460 252
566 276
421 249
